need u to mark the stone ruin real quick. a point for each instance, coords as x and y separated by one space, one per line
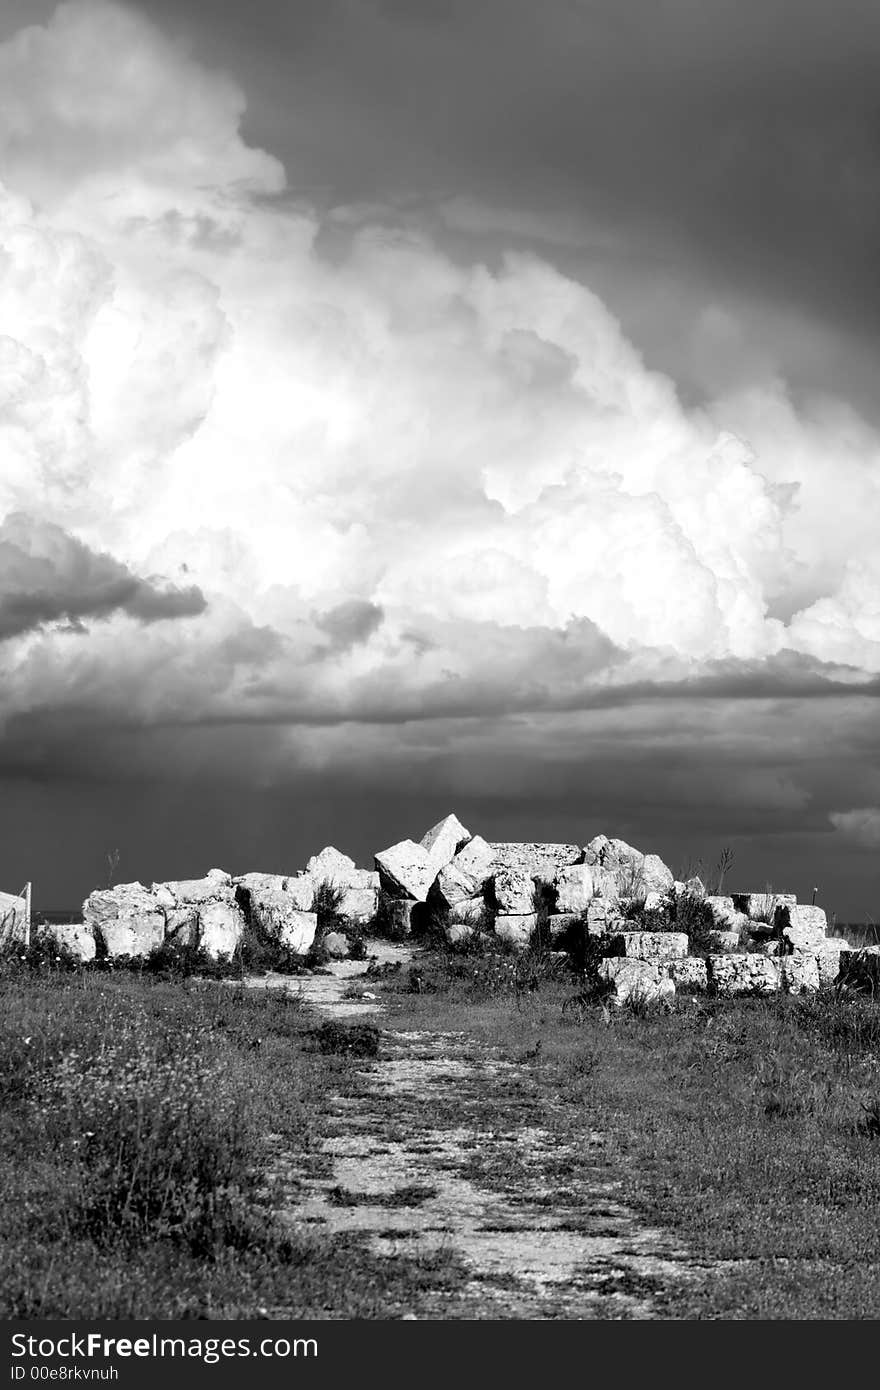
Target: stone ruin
760 943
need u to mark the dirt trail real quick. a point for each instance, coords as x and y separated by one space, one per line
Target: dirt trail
415 1164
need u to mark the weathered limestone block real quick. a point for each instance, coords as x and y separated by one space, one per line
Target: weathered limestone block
188 890
407 870
359 904
649 945
722 909
656 876
75 937
514 891
13 918
746 974
278 912
762 906
621 870
635 978
828 962
516 927
468 910
443 841
297 931
330 866
298 888
559 924
574 887
468 873
457 933
726 919
689 973
800 974
301 888
182 925
802 927
537 861
126 919
221 924
602 916
336 945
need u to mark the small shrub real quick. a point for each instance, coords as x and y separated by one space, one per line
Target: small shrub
326 903
869 1122
41 956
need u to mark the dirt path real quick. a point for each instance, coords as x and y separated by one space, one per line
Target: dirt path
446 1146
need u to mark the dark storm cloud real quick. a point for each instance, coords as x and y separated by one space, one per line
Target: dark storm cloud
740 135
48 576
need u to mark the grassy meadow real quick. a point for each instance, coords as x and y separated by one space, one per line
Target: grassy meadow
142 1113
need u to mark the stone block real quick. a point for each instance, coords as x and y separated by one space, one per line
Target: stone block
741 975
649 945
574 887
297 931
635 978
75 937
800 974
514 891
407 870
516 927
443 841
689 973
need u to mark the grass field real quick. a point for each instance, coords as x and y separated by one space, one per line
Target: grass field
141 1116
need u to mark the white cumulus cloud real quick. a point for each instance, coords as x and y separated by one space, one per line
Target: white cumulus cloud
470 461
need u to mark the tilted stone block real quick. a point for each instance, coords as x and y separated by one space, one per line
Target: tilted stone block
407 870
444 839
331 866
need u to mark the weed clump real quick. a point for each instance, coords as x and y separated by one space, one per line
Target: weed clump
350 1039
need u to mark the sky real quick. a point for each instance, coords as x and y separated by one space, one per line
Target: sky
458 405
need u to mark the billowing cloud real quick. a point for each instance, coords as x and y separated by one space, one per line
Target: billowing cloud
48 576
862 825
381 482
